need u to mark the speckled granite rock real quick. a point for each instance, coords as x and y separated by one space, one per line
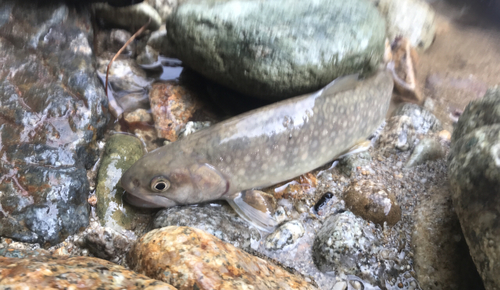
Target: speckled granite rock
189 258
218 220
474 172
372 202
398 135
422 120
272 50
52 110
286 235
71 273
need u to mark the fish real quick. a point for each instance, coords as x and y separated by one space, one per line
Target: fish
233 159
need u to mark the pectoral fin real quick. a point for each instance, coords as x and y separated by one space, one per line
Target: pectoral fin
256 207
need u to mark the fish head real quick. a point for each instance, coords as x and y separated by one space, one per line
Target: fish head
150 183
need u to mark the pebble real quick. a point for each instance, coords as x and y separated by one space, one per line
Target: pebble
286 235
398 135
372 202
428 149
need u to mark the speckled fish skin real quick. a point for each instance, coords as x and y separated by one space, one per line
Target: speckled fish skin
262 147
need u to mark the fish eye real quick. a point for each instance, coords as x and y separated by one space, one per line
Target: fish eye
160 184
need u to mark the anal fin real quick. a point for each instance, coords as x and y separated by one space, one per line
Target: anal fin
256 207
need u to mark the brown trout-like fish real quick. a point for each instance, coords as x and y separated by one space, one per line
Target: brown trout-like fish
260 148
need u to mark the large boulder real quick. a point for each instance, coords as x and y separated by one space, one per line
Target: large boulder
52 109
275 49
474 173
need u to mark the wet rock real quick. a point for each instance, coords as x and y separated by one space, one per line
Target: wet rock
127 85
413 19
173 254
372 202
158 41
428 149
130 17
11 252
147 56
345 244
441 255
218 220
474 173
172 106
422 120
348 164
261 55
398 135
53 108
164 7
106 243
286 235
483 112
71 273
138 116
120 153
118 38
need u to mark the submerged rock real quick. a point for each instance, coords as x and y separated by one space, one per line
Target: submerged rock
53 108
218 220
286 235
413 19
120 153
422 120
71 273
372 202
130 17
398 135
428 149
192 259
270 50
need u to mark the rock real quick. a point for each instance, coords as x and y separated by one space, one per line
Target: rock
286 235
441 255
348 164
158 41
127 85
372 202
120 153
138 116
147 56
483 112
130 17
273 51
343 245
52 110
106 243
413 19
474 173
428 149
398 135
191 259
422 120
71 273
221 221
172 106
164 7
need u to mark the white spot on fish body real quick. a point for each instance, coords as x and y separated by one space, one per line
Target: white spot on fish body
247 158
241 171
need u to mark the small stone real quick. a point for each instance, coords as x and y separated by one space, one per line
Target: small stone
428 149
286 235
340 286
191 259
46 272
422 120
398 134
372 202
139 115
347 165
147 56
444 135
106 243
130 17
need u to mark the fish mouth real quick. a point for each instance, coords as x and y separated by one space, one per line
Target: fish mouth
148 201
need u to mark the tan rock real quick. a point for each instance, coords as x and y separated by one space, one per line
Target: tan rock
45 272
189 258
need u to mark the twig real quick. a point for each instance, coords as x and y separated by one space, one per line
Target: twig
121 50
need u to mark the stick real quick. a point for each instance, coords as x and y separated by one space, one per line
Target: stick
121 50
